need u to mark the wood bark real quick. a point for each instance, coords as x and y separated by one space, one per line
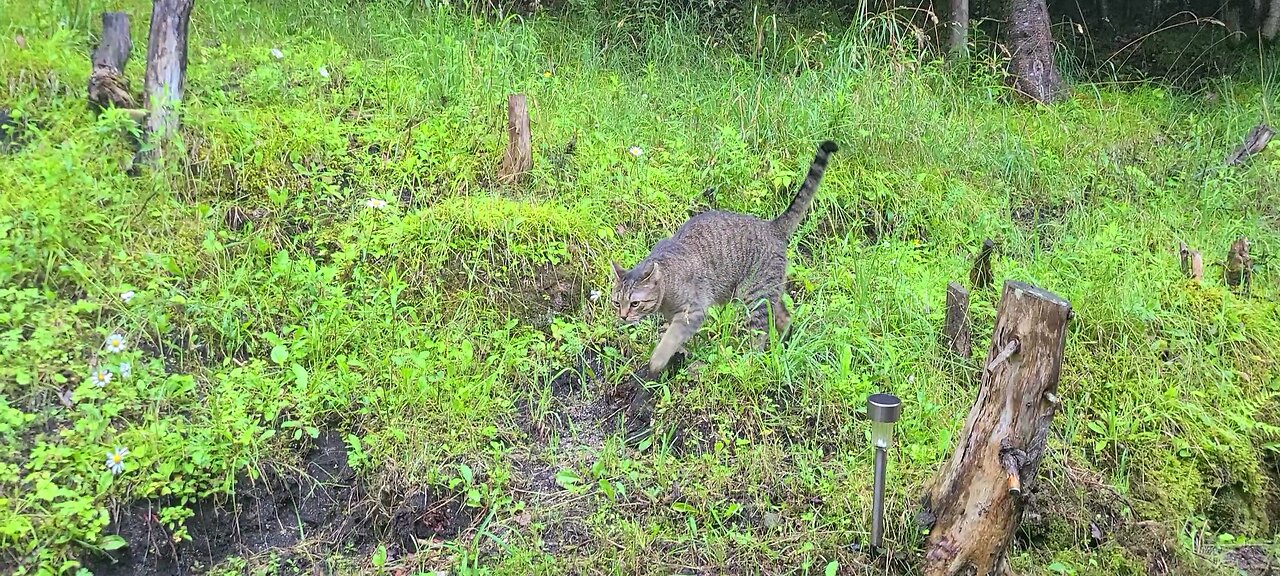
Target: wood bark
974 505
1271 24
1254 142
1192 262
519 157
1034 73
166 72
108 86
956 331
958 22
1239 269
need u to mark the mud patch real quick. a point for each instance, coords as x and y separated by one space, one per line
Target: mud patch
1250 560
299 517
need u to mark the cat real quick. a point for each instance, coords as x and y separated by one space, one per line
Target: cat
713 258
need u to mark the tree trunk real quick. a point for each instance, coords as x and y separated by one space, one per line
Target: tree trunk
519 157
956 331
1035 75
108 86
958 21
975 504
1272 23
166 71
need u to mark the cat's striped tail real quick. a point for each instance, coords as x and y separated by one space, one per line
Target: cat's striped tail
789 221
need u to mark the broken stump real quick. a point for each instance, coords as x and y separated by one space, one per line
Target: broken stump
955 330
166 72
108 87
1192 263
973 508
518 160
980 274
1239 268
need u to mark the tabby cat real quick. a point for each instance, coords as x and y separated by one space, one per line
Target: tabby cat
716 257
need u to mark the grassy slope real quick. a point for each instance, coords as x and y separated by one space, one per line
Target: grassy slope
420 330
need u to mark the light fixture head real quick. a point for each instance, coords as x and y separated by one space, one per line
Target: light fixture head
884 410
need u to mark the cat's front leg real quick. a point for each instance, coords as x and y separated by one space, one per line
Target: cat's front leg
681 328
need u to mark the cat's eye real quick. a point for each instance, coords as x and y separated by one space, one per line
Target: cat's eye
635 303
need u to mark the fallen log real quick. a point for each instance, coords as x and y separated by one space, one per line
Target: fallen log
974 505
1256 141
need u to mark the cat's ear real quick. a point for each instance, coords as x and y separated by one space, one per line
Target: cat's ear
652 275
618 271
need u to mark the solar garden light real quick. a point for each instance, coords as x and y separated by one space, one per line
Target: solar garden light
884 410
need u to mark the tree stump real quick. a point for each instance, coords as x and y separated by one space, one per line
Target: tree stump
519 157
166 72
956 331
108 87
974 505
1035 75
958 22
1239 268
1255 142
980 274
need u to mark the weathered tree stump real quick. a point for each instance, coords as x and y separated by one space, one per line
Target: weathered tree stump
108 86
1256 141
956 331
1192 263
1035 74
958 22
166 72
980 274
1239 268
974 505
519 157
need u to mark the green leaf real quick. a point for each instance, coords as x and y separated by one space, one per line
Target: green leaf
683 508
300 375
467 475
1058 567
568 479
832 567
279 354
112 542
380 556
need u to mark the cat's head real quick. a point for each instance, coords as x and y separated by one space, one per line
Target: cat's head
636 292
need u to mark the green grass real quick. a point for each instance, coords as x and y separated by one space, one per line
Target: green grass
422 335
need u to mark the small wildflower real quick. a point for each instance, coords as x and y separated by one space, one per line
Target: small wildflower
324 72
276 53
635 151
100 377
127 296
115 343
126 370
375 203
547 74
115 459
595 295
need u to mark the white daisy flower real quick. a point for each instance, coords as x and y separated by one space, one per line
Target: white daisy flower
115 343
324 72
595 295
126 370
127 296
276 53
635 151
115 459
100 377
375 203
